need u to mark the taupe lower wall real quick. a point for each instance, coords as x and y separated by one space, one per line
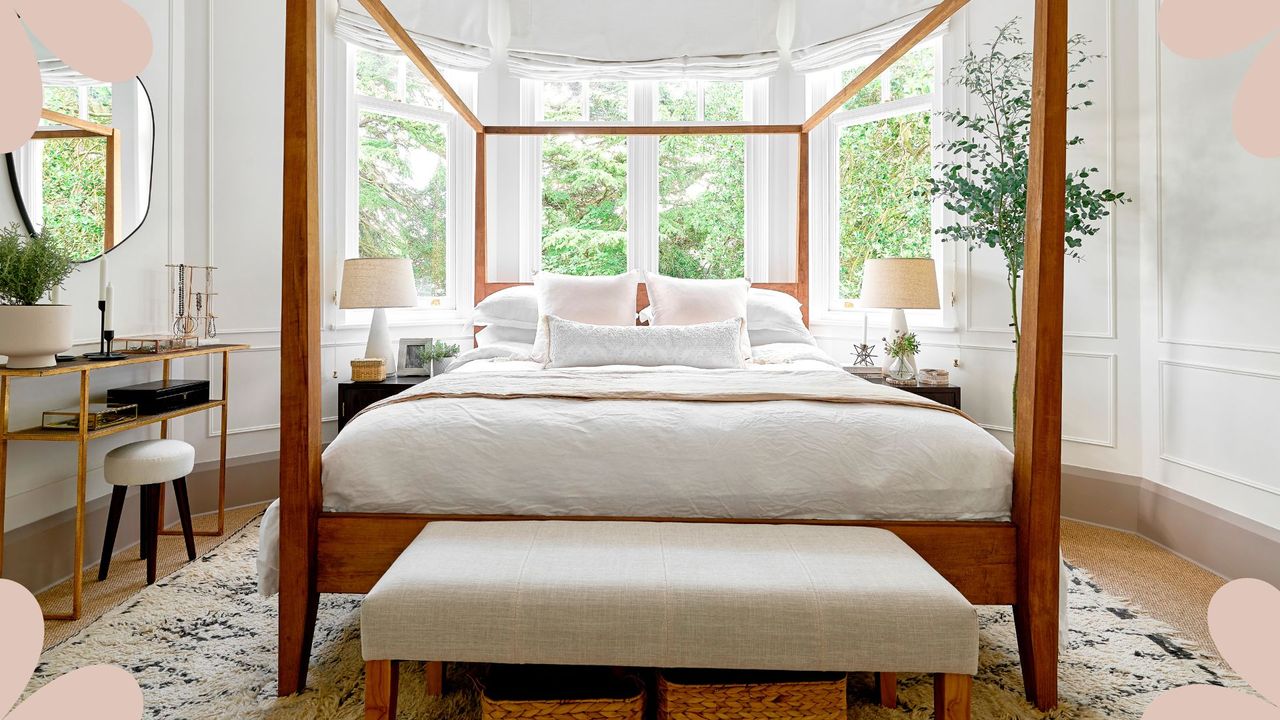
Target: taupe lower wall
1221 541
40 554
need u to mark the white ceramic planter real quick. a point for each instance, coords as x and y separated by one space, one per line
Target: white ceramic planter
31 335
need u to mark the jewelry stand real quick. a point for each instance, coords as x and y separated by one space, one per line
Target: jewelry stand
104 342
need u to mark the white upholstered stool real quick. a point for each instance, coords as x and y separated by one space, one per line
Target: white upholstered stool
148 464
667 595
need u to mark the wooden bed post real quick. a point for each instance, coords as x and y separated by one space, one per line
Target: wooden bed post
1037 441
300 377
802 225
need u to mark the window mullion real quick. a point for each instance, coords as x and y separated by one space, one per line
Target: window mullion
642 182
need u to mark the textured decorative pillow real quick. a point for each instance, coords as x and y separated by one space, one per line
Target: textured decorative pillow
515 307
593 300
709 345
676 301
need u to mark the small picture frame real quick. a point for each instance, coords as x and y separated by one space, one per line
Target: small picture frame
408 362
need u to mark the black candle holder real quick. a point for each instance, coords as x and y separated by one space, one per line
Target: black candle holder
104 341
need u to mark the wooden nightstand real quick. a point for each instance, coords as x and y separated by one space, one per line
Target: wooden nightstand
356 396
945 394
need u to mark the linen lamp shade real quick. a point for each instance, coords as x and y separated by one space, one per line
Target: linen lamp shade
900 283
377 283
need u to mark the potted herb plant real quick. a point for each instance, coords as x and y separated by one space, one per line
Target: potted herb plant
435 356
903 350
32 335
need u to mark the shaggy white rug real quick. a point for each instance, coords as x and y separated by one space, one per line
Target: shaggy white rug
202 644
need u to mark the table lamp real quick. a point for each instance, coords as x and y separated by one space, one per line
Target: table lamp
899 284
378 283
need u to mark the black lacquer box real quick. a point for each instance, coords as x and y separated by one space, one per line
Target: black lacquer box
162 396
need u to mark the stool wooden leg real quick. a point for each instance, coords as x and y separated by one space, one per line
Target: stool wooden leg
435 679
151 513
142 523
887 689
184 514
113 524
381 685
951 696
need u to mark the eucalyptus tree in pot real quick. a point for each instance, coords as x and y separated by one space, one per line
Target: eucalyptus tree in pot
32 334
985 183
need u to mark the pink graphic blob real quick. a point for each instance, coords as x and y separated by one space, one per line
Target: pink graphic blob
1244 619
98 691
1203 29
104 39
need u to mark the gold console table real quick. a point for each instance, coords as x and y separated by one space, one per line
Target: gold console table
82 436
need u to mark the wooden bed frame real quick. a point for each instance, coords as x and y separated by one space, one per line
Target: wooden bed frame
997 563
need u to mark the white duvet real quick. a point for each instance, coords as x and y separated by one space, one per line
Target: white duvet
656 458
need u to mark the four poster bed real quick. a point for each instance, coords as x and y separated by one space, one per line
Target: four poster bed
992 562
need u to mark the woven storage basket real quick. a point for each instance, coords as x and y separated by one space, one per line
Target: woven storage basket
694 695
368 370
605 699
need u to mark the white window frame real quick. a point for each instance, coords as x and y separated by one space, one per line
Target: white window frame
829 306
642 177
459 147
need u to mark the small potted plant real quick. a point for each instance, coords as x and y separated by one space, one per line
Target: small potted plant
435 356
32 335
903 350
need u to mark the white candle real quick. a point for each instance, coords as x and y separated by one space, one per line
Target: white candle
107 323
55 295
102 278
864 328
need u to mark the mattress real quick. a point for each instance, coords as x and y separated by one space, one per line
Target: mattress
786 459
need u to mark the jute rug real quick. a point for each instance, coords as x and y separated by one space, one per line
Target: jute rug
202 644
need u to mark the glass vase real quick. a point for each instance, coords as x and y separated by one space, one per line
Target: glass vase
900 370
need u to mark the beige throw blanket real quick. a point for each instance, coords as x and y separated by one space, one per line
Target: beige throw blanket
665 384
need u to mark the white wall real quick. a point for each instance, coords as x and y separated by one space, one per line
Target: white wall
1210 259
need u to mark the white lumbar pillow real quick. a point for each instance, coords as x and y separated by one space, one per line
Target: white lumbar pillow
514 307
709 345
609 300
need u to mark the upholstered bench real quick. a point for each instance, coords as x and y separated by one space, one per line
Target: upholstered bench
667 595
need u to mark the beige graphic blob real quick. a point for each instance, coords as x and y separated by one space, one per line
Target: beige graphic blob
103 692
104 39
1244 619
1206 29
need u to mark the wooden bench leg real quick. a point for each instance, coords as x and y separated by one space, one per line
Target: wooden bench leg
381 685
435 679
951 699
887 689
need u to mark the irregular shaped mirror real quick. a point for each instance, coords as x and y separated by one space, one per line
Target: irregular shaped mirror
84 179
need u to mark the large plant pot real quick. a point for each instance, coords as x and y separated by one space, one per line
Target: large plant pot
32 335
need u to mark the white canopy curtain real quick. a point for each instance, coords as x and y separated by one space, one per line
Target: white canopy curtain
624 39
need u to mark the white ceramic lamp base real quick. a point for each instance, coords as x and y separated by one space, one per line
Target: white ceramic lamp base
380 344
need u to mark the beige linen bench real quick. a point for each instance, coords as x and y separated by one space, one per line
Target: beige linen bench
667 595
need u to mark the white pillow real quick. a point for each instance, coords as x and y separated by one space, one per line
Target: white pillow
676 301
607 300
492 334
709 345
774 317
515 307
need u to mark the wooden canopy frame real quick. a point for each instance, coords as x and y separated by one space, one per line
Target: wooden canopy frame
1000 563
74 128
